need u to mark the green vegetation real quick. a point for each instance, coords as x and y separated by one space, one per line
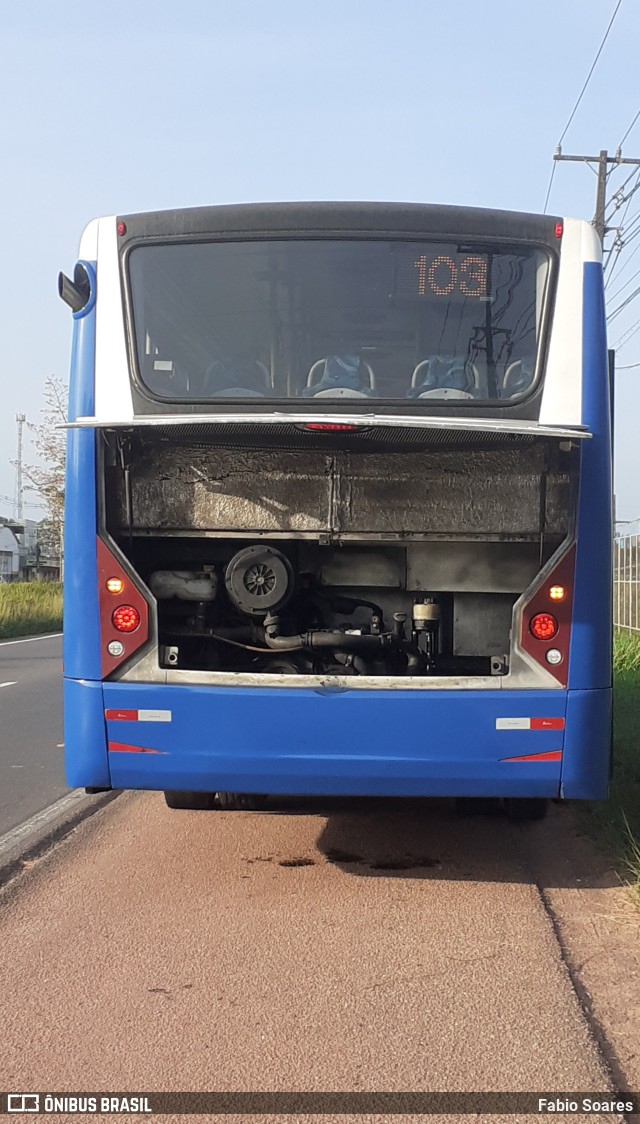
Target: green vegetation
616 823
30 608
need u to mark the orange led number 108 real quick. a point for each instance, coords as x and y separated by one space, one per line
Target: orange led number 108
441 276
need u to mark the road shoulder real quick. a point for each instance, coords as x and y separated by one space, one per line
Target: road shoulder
598 930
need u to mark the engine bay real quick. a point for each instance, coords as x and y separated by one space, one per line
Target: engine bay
304 609
342 557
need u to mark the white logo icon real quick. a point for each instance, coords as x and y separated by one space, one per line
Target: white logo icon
23 1102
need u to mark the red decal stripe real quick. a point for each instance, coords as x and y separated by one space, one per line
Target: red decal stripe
121 715
553 755
547 723
120 747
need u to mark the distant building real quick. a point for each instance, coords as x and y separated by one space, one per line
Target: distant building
9 555
28 561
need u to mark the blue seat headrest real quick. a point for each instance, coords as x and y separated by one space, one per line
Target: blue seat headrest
442 372
343 372
233 373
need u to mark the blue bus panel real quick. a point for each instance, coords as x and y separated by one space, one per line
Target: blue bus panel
339 742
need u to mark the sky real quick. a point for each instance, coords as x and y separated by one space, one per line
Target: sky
115 107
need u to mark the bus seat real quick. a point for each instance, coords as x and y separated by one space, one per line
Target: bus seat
340 392
439 373
518 378
236 392
233 378
340 376
445 393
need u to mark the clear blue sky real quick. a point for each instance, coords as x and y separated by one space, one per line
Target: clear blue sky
117 107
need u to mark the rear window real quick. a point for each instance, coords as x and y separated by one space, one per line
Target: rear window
397 321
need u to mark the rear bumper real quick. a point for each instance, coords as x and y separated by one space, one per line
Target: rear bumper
338 742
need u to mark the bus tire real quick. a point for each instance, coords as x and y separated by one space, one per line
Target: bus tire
240 801
525 809
190 801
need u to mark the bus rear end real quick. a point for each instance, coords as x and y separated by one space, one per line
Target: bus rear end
339 505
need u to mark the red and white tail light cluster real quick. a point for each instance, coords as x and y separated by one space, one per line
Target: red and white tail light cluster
546 619
124 613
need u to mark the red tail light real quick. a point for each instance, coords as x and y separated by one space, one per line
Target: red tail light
544 626
329 427
545 633
126 618
124 628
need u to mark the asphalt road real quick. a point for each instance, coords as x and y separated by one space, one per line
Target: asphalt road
348 946
31 751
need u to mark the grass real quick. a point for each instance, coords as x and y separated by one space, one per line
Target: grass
615 824
30 608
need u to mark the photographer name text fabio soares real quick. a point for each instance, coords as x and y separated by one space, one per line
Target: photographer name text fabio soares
585 1104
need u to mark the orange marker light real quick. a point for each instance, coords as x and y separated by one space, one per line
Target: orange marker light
557 593
115 585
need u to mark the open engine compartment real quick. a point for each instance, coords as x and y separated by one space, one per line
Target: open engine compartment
337 555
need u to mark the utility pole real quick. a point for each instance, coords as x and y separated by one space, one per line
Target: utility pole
601 194
603 161
18 500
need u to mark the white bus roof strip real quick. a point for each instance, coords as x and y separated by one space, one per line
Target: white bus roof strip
363 421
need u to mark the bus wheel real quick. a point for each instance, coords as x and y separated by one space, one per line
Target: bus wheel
191 801
240 801
525 809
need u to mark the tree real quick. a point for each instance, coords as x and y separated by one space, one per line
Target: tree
47 478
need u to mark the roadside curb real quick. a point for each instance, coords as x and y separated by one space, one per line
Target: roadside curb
33 839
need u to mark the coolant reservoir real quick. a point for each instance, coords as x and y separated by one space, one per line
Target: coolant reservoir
186 585
425 613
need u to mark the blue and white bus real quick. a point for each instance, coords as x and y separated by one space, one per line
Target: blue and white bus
338 508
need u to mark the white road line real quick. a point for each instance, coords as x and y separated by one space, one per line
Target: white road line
11 684
22 833
29 639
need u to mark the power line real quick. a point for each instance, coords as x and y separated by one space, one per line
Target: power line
629 198
619 198
620 241
616 312
608 255
553 172
634 229
12 502
632 254
593 66
580 96
627 282
632 222
627 335
629 367
630 128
